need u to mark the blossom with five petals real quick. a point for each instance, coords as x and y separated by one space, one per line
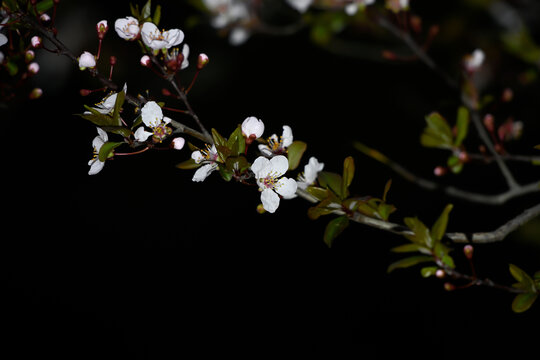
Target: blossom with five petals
96 165
277 146
268 173
152 116
311 171
157 40
209 157
127 28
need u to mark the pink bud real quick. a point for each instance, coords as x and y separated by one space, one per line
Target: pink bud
36 93
440 273
202 61
507 95
36 41
145 61
112 60
29 55
464 156
468 251
489 122
45 18
102 28
33 68
449 286
178 143
440 171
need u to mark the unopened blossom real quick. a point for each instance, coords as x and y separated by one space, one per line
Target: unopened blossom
277 146
127 28
102 28
311 171
178 143
202 61
300 5
145 60
86 60
252 128
35 41
96 165
157 40
208 157
45 18
29 55
353 7
474 61
35 93
268 173
33 68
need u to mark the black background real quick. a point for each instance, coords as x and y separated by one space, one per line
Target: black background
140 262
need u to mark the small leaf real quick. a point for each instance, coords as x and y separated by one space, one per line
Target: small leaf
106 150
157 15
331 181
439 228
218 139
44 6
295 151
147 9
225 173
462 125
334 228
237 142
410 248
188 165
317 192
522 302
117 107
421 232
448 261
348 175
409 261
522 277
437 133
386 189
120 130
455 164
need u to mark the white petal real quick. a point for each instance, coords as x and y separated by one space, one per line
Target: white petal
287 136
238 36
261 167
286 187
127 28
95 166
253 126
270 200
265 150
173 37
203 172
197 156
103 134
300 5
3 39
151 114
141 135
279 165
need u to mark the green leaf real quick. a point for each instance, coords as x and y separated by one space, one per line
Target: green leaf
410 248
522 302
295 151
408 262
237 142
437 133
317 192
455 164
331 181
448 261
120 97
522 278
237 163
386 189
428 271
106 150
334 228
44 6
348 175
97 118
439 228
218 139
188 165
462 125
120 130
147 9
384 210
421 232
157 15
225 173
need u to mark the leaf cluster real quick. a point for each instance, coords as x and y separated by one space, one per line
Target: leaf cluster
530 287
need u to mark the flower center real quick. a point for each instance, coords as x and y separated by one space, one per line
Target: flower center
157 35
276 146
270 181
161 132
208 154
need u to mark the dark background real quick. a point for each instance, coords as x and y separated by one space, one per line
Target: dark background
140 262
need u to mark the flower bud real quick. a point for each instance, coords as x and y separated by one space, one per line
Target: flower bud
102 28
489 122
464 156
86 60
507 95
85 92
440 274
178 143
252 128
440 171
112 60
472 62
29 55
45 18
36 41
449 286
202 61
35 93
389 55
145 61
33 68
468 251
260 209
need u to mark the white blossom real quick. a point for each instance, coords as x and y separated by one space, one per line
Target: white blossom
252 127
311 171
209 157
268 173
141 134
474 61
152 115
106 105
157 40
96 165
300 5
87 60
178 143
127 28
277 146
232 14
3 39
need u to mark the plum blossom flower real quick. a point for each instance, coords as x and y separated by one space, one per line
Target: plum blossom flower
311 171
353 8
300 5
277 146
102 28
178 143
152 116
96 165
268 173
208 156
87 60
252 128
127 28
474 61
232 14
36 41
106 105
157 40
